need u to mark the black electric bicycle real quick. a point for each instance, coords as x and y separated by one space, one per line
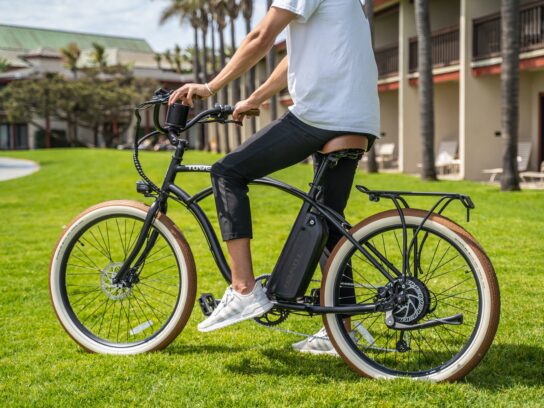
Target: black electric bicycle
405 293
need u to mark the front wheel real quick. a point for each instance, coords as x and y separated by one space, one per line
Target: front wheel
449 275
103 316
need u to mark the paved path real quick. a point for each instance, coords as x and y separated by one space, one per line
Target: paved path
14 168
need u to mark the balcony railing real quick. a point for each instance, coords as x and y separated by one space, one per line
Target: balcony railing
387 59
487 32
444 48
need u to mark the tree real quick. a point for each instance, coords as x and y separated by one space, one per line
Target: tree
372 166
186 10
219 13
510 10
178 59
270 64
247 11
233 9
98 56
426 88
158 59
71 54
99 103
4 65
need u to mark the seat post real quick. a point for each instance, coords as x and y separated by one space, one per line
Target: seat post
326 161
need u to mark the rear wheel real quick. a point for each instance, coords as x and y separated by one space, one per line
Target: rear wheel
103 316
450 275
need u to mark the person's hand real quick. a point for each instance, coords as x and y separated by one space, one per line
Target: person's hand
187 92
244 106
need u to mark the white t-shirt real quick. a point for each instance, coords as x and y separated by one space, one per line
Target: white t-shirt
333 78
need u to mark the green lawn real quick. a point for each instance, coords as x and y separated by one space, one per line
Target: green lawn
245 365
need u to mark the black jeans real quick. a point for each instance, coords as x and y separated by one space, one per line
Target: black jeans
283 143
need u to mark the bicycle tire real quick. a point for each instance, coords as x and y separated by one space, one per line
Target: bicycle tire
488 299
184 268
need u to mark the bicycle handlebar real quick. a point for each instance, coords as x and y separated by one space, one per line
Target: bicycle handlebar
219 113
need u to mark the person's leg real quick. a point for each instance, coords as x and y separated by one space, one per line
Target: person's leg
239 251
279 145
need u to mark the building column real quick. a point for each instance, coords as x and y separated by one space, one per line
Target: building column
409 149
479 102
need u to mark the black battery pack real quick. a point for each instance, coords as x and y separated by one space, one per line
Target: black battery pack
299 257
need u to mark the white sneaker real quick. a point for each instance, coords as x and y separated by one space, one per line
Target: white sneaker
319 343
235 308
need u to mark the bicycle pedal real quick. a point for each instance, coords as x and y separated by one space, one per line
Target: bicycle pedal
207 303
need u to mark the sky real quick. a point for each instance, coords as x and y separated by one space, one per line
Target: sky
128 18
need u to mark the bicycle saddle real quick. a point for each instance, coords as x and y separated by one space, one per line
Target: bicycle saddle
346 142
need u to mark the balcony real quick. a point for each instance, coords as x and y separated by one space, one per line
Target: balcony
387 59
444 49
487 32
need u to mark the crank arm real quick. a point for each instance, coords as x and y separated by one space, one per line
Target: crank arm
454 320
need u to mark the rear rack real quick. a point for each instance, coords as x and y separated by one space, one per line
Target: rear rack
400 202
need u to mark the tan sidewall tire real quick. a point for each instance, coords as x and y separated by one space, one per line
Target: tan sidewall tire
486 275
181 250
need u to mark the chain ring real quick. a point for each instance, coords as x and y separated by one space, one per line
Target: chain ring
274 316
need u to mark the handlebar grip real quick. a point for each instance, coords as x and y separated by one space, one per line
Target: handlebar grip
252 112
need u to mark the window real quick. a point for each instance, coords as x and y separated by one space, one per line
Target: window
5 137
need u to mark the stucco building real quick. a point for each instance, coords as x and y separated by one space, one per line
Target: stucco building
33 52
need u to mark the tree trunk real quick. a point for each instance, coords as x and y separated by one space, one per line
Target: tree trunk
196 57
270 65
197 69
215 141
372 166
426 91
510 10
204 145
235 84
252 79
224 91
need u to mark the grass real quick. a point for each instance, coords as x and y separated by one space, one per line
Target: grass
244 365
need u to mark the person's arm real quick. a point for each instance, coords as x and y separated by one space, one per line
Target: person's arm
254 47
275 83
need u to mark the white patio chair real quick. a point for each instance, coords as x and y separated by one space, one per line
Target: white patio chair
530 175
445 160
385 153
524 154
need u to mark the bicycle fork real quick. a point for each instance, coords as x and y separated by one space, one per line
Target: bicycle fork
127 274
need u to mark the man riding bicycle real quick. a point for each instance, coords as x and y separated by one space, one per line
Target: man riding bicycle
331 74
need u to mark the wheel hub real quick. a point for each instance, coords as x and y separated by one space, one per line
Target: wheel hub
412 301
114 291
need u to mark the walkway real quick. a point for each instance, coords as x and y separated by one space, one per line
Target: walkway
14 168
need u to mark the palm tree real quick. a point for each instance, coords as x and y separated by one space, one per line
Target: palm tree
426 89
233 9
98 56
4 65
168 58
220 17
204 17
158 59
270 64
71 54
372 166
178 58
247 11
186 10
510 10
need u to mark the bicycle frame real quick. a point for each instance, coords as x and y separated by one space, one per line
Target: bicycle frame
170 190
